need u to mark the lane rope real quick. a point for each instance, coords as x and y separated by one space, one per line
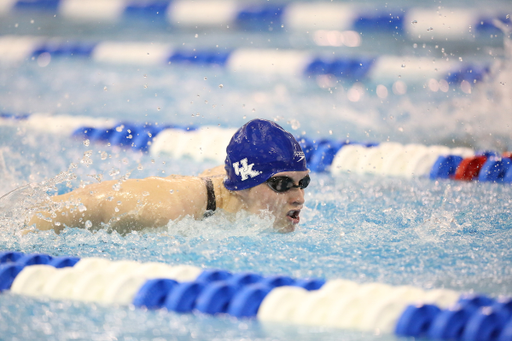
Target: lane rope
337 157
439 314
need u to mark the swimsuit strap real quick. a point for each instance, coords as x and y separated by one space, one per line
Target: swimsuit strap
211 206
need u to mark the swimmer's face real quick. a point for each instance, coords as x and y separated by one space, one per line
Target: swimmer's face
285 207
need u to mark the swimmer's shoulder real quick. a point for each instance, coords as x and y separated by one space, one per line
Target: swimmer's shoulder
213 172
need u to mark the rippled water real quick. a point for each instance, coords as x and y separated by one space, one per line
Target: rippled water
430 234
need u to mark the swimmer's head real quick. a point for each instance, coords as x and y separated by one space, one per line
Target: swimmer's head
259 150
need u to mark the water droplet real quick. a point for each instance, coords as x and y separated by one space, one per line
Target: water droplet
403 66
295 124
460 58
414 22
87 142
114 172
140 167
253 110
205 78
105 88
120 128
116 209
145 86
172 191
104 155
221 86
145 76
145 193
116 187
88 224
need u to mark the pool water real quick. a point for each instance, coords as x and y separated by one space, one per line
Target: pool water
430 234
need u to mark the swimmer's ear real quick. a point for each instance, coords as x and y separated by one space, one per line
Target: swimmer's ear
219 170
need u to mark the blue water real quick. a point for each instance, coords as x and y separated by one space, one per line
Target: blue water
431 234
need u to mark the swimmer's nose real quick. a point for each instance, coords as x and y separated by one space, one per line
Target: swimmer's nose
297 196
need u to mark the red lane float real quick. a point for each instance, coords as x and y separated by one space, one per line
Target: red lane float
469 168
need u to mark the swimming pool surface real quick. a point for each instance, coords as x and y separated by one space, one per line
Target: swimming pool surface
366 228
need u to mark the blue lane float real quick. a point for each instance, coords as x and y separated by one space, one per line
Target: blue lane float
446 315
263 16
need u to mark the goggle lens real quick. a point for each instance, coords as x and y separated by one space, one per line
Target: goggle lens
281 184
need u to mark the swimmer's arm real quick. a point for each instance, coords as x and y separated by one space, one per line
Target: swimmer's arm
150 202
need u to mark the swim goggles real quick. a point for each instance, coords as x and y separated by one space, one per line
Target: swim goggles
281 184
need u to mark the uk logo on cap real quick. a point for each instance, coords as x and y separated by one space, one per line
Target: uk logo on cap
246 170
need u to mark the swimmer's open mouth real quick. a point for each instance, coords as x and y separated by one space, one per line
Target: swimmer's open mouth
293 216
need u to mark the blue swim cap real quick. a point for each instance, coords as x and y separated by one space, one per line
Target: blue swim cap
259 150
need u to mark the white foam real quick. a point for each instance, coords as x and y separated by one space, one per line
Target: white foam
132 53
96 10
269 61
202 13
318 16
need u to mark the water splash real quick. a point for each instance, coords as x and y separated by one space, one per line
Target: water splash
21 203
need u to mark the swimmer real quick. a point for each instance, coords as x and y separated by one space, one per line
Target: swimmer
264 173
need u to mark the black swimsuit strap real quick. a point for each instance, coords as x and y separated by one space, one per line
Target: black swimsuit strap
211 205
